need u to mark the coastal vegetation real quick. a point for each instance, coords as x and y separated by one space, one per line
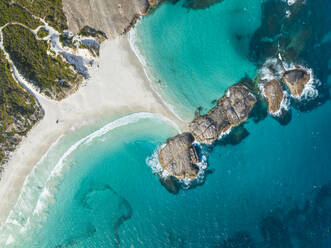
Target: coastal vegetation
50 10
19 110
91 32
42 33
50 74
13 13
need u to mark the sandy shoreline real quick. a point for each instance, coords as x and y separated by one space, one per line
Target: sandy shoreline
117 86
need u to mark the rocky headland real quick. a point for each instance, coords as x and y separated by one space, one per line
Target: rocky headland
179 158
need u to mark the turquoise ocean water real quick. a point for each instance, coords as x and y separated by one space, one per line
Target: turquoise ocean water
267 185
195 55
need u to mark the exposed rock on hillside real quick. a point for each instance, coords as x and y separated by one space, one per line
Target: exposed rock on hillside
179 157
112 17
296 81
274 93
231 110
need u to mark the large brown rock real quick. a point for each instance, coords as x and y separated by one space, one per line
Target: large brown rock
114 17
231 110
296 80
273 91
179 157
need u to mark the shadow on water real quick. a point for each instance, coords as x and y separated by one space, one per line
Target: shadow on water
237 135
301 34
173 185
196 4
306 226
123 207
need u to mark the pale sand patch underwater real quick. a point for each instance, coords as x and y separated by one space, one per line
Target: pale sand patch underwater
117 86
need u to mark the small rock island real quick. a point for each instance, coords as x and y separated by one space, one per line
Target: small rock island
179 157
273 91
296 80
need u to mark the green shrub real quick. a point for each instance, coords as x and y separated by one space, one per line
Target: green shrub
50 10
42 33
10 12
15 103
32 60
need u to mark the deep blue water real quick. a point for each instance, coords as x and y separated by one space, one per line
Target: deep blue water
268 185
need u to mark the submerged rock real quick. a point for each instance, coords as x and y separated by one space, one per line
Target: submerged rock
179 157
296 80
273 91
231 110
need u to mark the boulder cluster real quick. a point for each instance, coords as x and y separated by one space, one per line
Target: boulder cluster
231 110
296 81
179 157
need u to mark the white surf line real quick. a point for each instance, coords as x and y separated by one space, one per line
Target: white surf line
47 191
132 38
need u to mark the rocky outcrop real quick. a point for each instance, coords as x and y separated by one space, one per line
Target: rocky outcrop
113 17
231 110
273 91
179 157
296 80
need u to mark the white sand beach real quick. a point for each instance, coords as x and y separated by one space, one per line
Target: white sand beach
117 86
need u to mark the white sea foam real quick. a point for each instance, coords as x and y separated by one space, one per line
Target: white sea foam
274 68
289 2
284 105
153 162
271 69
226 132
38 189
310 90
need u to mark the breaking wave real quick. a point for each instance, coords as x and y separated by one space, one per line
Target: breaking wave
41 184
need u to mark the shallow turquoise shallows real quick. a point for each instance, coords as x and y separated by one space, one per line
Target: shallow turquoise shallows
267 185
110 197
194 55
